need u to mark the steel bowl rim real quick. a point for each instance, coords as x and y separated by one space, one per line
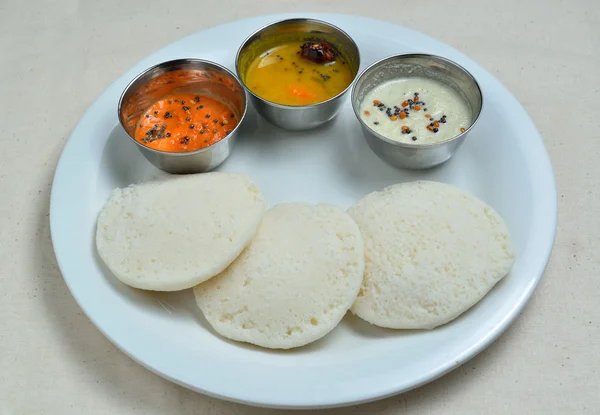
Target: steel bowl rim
175 62
282 106
413 146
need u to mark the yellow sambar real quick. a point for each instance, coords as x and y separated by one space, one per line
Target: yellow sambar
282 76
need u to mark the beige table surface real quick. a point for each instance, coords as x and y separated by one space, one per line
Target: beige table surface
58 56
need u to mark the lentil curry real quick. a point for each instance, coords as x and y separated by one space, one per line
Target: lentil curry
299 73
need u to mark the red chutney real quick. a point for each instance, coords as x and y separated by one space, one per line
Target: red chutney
185 122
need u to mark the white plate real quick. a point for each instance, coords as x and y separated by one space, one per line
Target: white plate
503 161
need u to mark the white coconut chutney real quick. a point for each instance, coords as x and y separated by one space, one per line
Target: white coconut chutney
415 110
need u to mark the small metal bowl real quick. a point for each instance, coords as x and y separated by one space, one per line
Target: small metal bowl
408 155
196 76
291 117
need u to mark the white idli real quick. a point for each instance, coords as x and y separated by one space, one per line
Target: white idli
176 233
431 252
293 284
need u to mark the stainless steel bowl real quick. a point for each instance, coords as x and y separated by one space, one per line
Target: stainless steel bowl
408 155
195 76
292 30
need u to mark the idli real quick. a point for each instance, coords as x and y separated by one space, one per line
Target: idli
432 251
295 281
175 233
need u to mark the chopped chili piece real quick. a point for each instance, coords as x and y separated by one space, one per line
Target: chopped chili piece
319 52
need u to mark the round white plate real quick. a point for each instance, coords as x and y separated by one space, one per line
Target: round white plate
503 162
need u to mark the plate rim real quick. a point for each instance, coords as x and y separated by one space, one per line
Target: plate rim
383 392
